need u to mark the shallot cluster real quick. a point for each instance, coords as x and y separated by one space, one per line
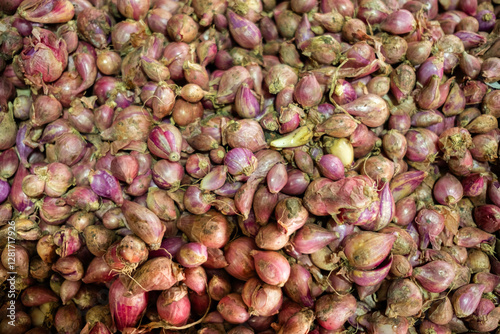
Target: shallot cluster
249 166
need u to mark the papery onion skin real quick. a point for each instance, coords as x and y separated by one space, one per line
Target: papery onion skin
246 33
332 311
165 141
310 238
219 287
60 11
271 267
67 319
94 25
192 255
466 299
422 145
405 183
125 311
174 306
201 161
277 178
331 167
240 161
442 271
19 200
298 285
144 223
33 64
472 237
98 272
106 185
290 215
364 251
262 299
299 322
361 192
70 267
211 229
237 253
404 299
156 274
245 134
487 217
233 309
430 224
375 115
9 129
196 279
448 190
230 82
270 237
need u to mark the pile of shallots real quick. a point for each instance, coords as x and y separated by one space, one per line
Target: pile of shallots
249 166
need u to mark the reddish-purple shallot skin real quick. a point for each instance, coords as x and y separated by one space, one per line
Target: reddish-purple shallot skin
254 166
